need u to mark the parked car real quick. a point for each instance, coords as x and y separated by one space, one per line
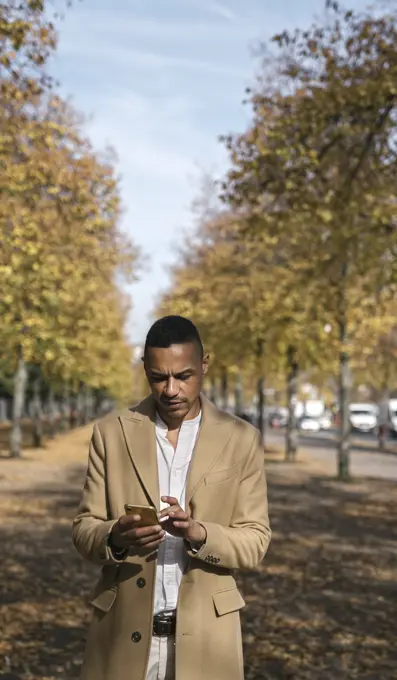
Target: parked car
307 424
325 422
363 417
393 417
278 418
388 416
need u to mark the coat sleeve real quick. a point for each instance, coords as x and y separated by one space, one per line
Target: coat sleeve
243 544
92 526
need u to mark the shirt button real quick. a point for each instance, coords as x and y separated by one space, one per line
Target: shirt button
141 583
136 637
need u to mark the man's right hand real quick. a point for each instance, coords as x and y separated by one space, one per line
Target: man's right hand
126 535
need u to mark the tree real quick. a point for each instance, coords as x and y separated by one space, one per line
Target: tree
319 161
63 255
235 286
26 40
61 247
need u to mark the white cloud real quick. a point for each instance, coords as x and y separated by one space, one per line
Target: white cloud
116 27
158 88
223 11
156 141
152 155
160 152
147 60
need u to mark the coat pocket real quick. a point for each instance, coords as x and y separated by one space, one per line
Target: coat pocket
106 589
227 601
104 600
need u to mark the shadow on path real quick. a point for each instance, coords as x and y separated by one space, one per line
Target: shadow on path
322 606
43 583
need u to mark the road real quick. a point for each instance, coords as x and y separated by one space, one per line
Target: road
365 460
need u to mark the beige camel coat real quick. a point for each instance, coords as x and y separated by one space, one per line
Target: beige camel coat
226 492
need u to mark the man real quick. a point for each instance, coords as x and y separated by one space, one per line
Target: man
167 606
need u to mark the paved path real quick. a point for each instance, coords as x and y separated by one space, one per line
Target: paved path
320 607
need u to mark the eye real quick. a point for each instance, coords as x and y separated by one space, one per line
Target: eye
184 377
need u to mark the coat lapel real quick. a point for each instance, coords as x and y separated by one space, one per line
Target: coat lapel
139 430
138 426
215 431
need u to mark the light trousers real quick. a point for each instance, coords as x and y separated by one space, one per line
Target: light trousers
162 659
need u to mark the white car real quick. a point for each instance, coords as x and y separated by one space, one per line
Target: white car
325 423
363 417
393 425
310 425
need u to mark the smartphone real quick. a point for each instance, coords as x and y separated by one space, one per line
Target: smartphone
147 513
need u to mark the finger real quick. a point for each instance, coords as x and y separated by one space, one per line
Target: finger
166 512
128 521
152 546
170 500
148 540
181 525
142 532
178 514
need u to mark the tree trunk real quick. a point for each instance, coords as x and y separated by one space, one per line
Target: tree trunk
97 403
383 418
65 409
238 395
37 414
260 421
90 406
73 411
80 406
214 391
87 405
260 408
51 414
3 410
20 380
344 400
291 440
225 389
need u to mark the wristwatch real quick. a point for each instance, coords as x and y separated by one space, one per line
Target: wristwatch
196 547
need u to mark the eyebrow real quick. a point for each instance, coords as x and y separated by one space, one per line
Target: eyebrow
159 374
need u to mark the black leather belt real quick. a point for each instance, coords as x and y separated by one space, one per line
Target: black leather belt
164 624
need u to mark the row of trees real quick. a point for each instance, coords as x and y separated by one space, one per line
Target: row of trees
62 255
299 268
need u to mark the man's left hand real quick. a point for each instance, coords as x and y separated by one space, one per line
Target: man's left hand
180 524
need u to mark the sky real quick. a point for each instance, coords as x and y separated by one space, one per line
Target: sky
160 81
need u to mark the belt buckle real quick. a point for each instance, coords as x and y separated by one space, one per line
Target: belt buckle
164 628
163 625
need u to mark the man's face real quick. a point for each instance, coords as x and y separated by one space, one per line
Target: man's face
175 375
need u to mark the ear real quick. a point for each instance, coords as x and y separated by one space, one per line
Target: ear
206 359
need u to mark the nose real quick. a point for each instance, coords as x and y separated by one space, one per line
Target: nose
171 388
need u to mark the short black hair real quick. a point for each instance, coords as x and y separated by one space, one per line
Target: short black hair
173 330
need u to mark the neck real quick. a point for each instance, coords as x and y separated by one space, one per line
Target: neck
176 423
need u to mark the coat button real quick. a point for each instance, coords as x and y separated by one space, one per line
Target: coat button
141 583
136 637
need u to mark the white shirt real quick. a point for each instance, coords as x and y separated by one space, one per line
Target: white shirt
173 466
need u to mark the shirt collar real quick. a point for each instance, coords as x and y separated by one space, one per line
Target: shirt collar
186 423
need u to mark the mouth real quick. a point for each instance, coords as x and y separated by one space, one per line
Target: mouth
173 406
